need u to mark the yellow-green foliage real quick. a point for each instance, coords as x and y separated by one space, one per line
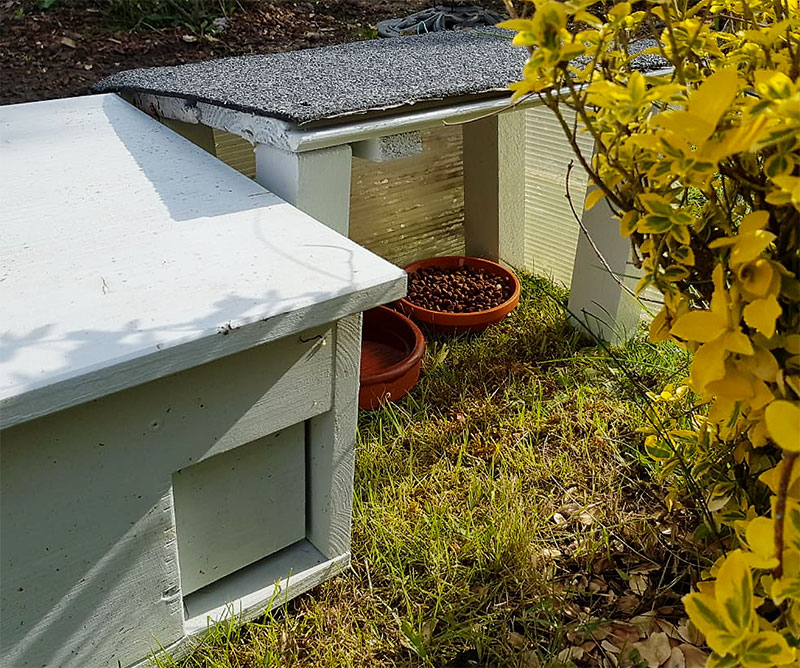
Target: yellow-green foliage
701 162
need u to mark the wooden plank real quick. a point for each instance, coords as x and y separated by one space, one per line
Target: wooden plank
238 507
88 556
146 255
551 231
316 182
494 182
331 449
265 585
411 208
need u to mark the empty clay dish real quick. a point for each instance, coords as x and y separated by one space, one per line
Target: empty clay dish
391 356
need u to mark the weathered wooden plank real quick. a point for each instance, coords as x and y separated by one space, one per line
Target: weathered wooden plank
331 449
240 506
265 585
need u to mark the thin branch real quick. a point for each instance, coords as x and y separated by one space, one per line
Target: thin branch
789 458
597 251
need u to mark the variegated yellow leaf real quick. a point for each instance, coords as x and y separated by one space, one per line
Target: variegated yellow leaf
760 535
706 615
762 315
734 594
700 326
765 649
783 424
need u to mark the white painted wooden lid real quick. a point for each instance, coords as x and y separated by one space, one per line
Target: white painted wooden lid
128 253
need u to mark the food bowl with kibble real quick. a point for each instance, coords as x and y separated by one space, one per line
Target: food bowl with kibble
391 357
459 294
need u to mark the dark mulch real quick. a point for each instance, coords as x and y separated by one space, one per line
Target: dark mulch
63 51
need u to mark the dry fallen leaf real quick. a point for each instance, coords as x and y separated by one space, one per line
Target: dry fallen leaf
558 518
189 38
638 583
677 659
66 41
628 603
655 650
689 633
694 657
597 585
570 654
625 634
516 640
668 628
529 659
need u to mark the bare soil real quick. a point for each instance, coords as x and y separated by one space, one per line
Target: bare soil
63 51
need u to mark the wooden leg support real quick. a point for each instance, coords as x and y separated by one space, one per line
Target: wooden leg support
597 300
317 182
494 187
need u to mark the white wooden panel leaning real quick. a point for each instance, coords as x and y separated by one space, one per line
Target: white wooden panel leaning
166 318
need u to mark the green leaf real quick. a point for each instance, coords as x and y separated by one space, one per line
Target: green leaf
654 224
727 661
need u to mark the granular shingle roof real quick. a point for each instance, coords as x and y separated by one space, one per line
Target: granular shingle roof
329 82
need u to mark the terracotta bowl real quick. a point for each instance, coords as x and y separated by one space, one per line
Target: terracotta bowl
391 356
462 322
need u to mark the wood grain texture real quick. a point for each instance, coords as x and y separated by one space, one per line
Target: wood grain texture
88 558
551 231
146 255
331 449
316 182
411 208
494 183
240 506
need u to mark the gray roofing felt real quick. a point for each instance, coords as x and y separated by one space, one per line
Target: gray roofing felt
328 82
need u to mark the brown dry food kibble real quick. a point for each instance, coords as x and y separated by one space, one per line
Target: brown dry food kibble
458 290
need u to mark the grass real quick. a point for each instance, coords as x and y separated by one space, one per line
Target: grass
499 509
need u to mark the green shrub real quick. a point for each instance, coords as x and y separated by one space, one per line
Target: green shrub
701 163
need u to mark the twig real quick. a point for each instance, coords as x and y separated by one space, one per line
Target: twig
789 458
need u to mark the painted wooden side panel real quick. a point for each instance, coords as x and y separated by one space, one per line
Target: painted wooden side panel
411 208
331 449
238 507
88 556
551 231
